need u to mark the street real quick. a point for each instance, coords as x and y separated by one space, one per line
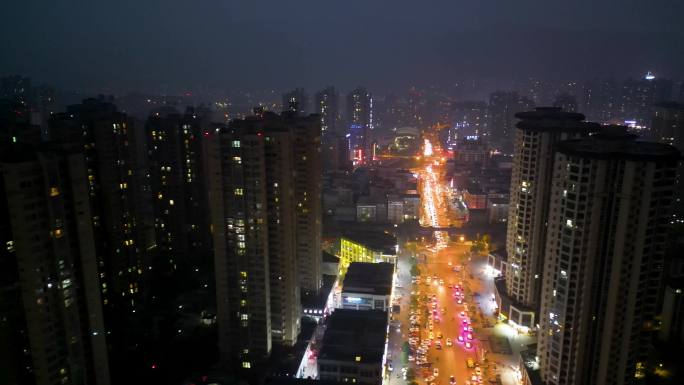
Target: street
452 319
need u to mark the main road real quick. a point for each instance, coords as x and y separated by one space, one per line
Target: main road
454 296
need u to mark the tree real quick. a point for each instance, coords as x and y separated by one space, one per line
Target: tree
411 375
414 269
481 245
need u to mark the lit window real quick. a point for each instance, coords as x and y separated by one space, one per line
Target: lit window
236 144
238 191
568 223
54 191
244 317
246 364
358 358
237 159
243 274
171 202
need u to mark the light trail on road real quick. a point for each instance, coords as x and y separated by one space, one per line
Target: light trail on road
433 196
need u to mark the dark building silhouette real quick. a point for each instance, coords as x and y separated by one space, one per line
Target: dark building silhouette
608 218
359 120
108 141
327 107
52 328
502 108
177 169
296 101
265 191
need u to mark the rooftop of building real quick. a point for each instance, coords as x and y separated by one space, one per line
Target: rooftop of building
371 278
271 122
671 105
373 240
499 201
355 336
614 145
552 119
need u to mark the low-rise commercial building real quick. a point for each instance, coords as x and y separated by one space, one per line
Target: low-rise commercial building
353 348
368 286
497 210
362 246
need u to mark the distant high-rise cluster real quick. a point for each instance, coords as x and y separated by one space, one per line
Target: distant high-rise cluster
502 109
360 125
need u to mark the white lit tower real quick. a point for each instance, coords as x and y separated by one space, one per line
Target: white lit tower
536 134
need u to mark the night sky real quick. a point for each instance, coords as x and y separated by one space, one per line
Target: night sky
176 45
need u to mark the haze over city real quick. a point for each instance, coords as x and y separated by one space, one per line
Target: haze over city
173 46
221 192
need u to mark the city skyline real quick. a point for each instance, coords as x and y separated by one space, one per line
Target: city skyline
394 41
369 193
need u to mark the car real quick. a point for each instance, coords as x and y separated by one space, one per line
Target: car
452 380
469 336
390 367
448 342
430 379
459 301
468 345
432 335
460 338
478 371
470 363
435 372
438 345
465 322
411 358
462 313
439 335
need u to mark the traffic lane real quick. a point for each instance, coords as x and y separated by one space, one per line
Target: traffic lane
450 360
441 264
397 338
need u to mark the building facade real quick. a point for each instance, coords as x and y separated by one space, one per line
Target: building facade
537 132
359 119
52 318
610 204
327 107
265 192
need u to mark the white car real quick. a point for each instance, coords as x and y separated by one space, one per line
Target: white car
435 372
